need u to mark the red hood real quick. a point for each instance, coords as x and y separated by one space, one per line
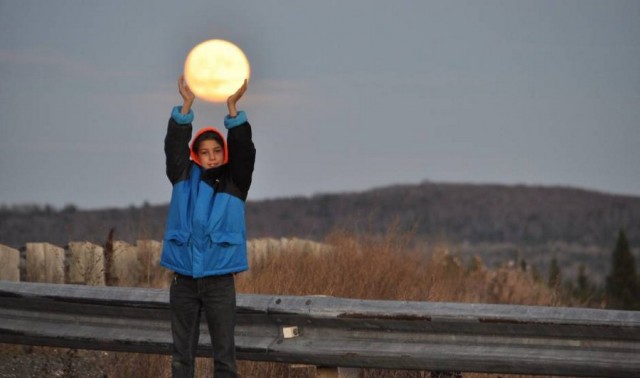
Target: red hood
194 156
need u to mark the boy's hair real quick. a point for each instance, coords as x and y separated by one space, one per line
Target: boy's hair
208 135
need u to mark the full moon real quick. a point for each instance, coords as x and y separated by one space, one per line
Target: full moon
215 69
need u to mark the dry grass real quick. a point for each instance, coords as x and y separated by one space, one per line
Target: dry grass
365 267
369 267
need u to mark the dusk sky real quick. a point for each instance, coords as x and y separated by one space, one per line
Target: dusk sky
343 96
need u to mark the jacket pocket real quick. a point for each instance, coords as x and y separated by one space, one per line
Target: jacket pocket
227 239
177 237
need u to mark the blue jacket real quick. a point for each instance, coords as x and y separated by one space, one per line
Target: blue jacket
205 232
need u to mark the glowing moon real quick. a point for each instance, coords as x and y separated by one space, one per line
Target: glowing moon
215 69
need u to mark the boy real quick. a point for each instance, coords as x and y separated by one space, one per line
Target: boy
205 238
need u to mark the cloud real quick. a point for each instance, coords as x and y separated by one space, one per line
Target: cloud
65 64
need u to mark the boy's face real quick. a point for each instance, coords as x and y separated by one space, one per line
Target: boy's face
210 154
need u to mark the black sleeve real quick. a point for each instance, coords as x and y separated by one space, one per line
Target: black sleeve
176 150
242 156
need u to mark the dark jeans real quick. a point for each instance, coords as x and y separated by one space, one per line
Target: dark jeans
217 296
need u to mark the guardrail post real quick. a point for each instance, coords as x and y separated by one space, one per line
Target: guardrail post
45 263
9 264
87 264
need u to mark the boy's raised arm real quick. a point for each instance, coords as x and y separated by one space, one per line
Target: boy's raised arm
242 152
176 142
233 99
187 95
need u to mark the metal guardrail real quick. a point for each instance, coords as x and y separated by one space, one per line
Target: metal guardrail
338 332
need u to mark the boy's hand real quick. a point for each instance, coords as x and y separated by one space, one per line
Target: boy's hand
187 95
233 99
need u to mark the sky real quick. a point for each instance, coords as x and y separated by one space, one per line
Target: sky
344 96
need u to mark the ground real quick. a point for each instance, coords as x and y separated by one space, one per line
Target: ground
30 362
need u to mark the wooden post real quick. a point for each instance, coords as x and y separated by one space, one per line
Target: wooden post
9 264
87 264
45 263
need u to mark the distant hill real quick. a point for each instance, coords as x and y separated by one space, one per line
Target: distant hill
508 220
458 213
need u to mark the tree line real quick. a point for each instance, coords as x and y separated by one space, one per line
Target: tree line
621 290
